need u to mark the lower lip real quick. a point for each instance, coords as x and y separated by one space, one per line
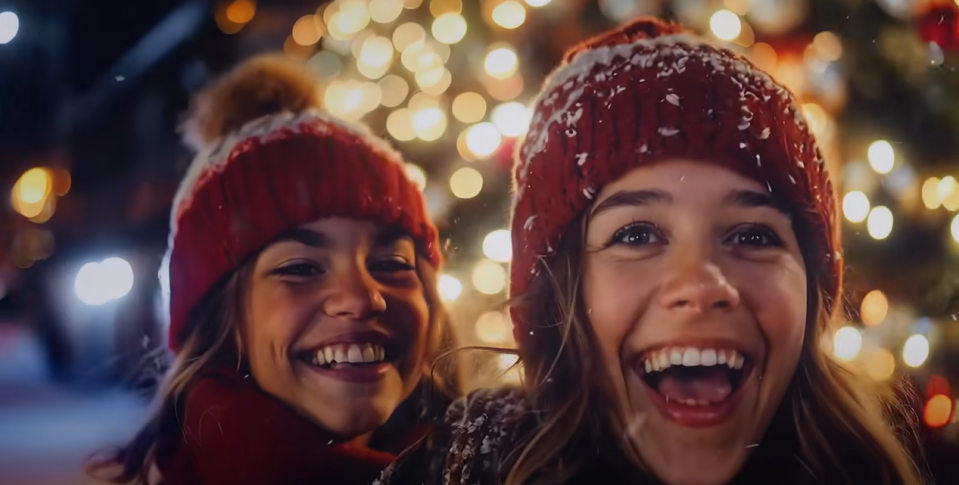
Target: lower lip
366 373
696 416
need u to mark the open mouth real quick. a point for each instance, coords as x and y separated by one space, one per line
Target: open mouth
348 356
694 377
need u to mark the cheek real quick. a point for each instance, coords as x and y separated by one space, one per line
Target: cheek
274 317
778 299
614 296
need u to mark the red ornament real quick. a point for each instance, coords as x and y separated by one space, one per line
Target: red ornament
940 24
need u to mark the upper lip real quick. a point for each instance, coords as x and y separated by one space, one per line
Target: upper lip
703 343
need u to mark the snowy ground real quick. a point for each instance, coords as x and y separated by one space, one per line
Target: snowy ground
45 430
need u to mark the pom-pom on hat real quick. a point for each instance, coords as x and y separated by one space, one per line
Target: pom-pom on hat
645 92
268 160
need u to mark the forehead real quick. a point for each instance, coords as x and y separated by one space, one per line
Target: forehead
683 179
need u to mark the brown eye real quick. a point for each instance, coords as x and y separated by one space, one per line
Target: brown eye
301 270
637 234
391 266
755 236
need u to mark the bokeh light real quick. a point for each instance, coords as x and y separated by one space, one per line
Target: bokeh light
915 351
937 411
450 288
497 246
449 28
511 119
385 11
855 206
9 27
493 327
466 183
879 364
881 156
501 62
416 175
483 139
509 14
930 193
725 25
489 277
847 343
874 308
879 223
469 107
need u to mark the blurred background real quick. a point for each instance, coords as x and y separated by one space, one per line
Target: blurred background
91 93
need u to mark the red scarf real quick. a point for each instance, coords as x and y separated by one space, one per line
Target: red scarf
232 433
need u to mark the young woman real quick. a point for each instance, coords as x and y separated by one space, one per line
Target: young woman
303 299
676 268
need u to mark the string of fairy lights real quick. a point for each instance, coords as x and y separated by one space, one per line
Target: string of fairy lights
428 74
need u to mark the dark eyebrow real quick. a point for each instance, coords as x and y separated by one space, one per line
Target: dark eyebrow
305 237
751 198
391 235
632 198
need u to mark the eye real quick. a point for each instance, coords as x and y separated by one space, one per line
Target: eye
300 270
638 234
755 236
392 265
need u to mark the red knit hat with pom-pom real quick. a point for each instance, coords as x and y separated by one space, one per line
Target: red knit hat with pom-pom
646 92
268 162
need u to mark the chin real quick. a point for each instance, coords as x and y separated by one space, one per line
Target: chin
696 469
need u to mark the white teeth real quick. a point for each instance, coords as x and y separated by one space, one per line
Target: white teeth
355 354
349 354
368 354
691 357
676 357
663 359
708 358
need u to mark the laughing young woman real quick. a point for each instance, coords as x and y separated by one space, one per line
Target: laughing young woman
676 268
303 299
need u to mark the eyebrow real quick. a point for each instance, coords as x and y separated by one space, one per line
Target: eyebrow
305 236
751 198
390 236
632 198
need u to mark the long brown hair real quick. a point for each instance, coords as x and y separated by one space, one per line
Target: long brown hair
213 339
831 426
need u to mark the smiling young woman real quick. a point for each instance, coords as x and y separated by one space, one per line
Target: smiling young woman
304 312
676 265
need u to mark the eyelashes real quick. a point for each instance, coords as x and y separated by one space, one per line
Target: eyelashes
640 234
305 270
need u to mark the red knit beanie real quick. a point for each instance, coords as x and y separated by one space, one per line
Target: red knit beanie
269 162
647 92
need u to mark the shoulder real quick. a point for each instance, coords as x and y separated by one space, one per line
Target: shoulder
468 444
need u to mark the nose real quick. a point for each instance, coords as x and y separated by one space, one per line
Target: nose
698 285
356 297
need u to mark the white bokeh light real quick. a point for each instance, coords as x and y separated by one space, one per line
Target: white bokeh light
915 351
511 119
855 206
9 26
879 222
497 246
99 283
881 156
847 343
450 288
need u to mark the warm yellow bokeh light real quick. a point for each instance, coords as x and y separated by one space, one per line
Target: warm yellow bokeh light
537 3
483 139
440 86
469 107
816 117
954 229
879 222
449 28
385 11
879 364
725 25
430 77
305 31
34 185
937 411
400 125
395 89
489 277
441 7
416 175
376 51
450 288
241 11
828 46
429 124
498 246
930 193
874 308
949 193
466 183
881 156
408 34
493 328
855 206
352 17
501 62
511 119
509 14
